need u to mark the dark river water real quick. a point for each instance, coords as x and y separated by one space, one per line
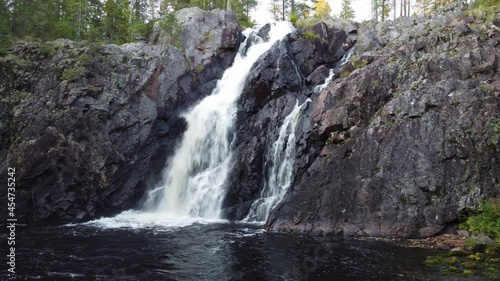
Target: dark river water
216 251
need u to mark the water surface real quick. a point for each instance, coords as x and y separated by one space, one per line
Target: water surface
215 251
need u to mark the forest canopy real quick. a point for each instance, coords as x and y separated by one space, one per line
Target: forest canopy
121 21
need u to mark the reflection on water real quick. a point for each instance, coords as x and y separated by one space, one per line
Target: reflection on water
205 252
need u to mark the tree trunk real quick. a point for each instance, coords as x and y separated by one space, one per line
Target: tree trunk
283 16
394 8
382 16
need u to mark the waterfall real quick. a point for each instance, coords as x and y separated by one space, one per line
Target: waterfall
193 182
281 171
345 58
321 87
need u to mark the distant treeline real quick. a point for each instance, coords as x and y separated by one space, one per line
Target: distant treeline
121 21
114 21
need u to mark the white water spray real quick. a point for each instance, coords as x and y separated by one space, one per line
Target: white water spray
328 80
281 174
347 56
193 181
321 87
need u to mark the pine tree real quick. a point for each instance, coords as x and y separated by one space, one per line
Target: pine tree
384 9
375 6
116 23
5 37
346 11
276 10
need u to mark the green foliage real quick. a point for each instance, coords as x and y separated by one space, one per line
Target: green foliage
358 63
329 140
487 88
47 50
246 23
171 26
294 18
484 10
309 35
346 11
116 22
307 23
495 126
345 73
5 38
487 220
72 74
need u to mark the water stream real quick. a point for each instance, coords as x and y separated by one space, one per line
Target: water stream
282 167
193 184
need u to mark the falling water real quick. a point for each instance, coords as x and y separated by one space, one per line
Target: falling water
281 173
321 87
346 57
343 60
193 181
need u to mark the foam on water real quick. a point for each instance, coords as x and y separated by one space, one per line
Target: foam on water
137 219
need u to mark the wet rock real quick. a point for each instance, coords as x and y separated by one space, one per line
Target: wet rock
206 37
463 233
90 128
398 145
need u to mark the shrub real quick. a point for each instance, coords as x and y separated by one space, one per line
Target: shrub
47 50
303 23
293 19
72 74
484 10
487 220
246 23
171 26
495 127
309 35
5 43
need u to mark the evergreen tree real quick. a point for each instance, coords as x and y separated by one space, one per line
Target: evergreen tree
303 10
346 11
116 22
385 9
5 37
277 9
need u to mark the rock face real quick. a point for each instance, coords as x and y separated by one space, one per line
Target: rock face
404 140
88 127
207 38
276 82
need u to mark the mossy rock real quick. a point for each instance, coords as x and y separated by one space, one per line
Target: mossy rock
468 273
451 260
433 260
468 264
460 253
492 251
477 257
453 269
492 269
